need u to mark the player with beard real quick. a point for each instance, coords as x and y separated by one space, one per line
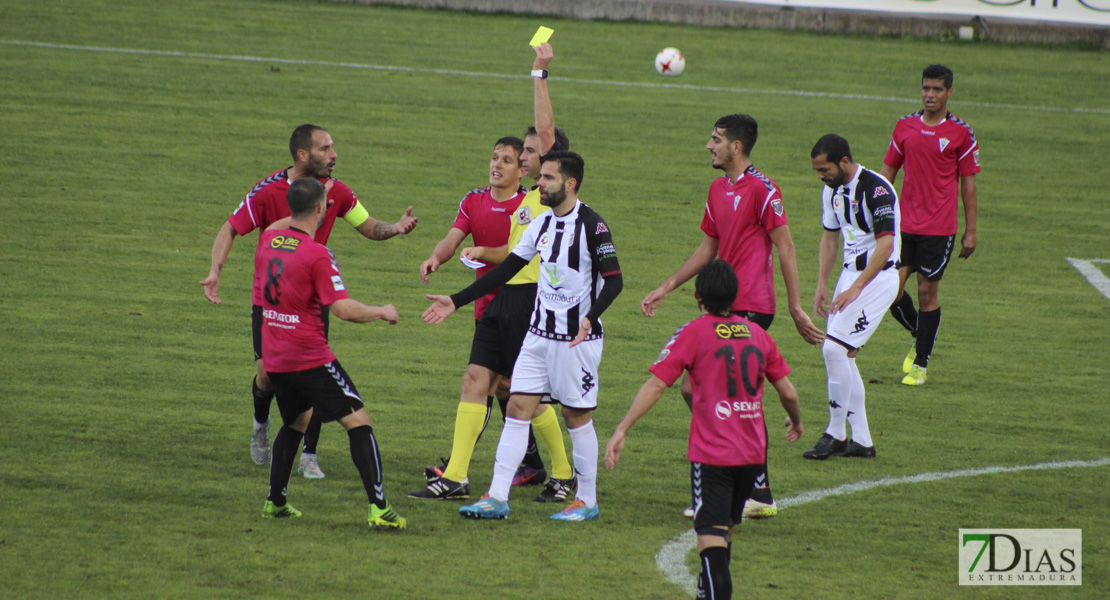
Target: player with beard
744 221
314 156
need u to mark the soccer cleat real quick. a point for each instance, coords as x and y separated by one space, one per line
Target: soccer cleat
688 512
557 490
486 508
260 444
857 450
577 511
433 472
825 447
907 364
529 476
310 467
442 488
270 511
385 517
916 376
754 509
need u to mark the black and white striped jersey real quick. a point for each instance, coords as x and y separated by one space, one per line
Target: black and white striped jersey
862 210
576 251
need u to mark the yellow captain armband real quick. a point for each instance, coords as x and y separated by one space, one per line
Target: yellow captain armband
357 215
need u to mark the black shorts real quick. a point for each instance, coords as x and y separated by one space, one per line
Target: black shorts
499 334
327 389
256 327
761 319
719 494
927 254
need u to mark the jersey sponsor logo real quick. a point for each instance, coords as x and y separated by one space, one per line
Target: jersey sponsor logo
337 283
732 331
524 215
551 271
605 251
776 205
560 298
285 244
601 228
884 210
943 143
283 320
879 191
743 409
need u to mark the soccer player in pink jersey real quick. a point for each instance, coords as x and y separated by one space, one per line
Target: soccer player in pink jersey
939 155
300 277
727 358
744 221
314 156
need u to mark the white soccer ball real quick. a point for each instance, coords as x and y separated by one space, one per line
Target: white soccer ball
670 62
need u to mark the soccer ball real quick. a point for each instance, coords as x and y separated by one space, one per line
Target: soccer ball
670 62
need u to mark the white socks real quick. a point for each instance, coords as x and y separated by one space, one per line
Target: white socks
510 451
584 441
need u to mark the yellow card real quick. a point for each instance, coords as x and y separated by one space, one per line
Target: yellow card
542 35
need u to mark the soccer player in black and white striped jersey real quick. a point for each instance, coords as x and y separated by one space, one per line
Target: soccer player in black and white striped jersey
579 278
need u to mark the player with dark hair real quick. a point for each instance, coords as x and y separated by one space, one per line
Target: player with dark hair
313 157
860 205
743 223
727 358
940 156
300 277
580 278
485 215
505 323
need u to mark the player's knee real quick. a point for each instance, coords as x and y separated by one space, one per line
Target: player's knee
476 381
833 351
262 379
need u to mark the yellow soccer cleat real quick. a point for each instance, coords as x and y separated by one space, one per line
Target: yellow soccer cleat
907 364
385 517
916 376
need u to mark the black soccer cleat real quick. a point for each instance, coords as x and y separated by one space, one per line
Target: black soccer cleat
557 490
825 447
857 450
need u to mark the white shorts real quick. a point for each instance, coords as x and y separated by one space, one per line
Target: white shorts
564 375
854 325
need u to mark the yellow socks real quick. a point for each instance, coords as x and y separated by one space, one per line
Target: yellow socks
546 428
468 425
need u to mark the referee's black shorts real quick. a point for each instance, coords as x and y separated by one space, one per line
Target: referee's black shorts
927 254
499 334
327 389
719 494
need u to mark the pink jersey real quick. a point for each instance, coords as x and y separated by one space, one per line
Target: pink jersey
266 203
487 221
933 159
299 277
741 216
728 359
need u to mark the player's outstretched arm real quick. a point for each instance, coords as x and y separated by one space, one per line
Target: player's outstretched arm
221 248
357 312
442 253
487 254
380 230
705 252
649 394
789 398
970 196
441 308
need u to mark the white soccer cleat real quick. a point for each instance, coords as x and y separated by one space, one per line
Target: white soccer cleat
754 509
310 467
260 443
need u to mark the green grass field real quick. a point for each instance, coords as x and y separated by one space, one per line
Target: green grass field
124 395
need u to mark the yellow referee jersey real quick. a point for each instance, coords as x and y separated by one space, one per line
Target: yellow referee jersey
529 209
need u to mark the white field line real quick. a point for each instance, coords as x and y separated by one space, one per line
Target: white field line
321 63
1093 274
671 559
